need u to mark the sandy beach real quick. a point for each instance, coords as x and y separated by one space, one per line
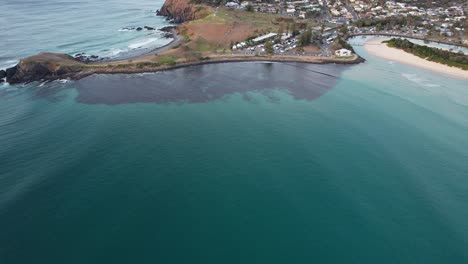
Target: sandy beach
375 47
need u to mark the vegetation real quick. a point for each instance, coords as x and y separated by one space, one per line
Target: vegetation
167 60
305 37
207 2
269 47
433 54
145 64
390 22
345 44
294 31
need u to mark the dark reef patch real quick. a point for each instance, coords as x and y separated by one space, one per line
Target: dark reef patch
209 82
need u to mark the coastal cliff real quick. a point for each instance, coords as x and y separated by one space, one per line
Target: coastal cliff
181 10
45 66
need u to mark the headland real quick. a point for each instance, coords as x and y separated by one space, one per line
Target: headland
203 34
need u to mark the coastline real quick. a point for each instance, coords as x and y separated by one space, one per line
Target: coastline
230 59
60 66
376 48
192 45
85 70
394 35
176 40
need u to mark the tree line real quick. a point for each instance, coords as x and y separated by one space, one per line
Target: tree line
446 57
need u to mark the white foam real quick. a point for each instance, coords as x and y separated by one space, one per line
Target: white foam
114 52
8 64
418 80
143 44
412 77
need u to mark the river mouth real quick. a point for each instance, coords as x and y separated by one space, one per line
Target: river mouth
203 83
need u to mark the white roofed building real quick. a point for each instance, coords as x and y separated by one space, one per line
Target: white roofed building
343 53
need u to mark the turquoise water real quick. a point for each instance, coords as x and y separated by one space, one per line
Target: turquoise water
229 163
372 169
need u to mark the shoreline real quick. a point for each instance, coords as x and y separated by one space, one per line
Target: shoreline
226 58
62 66
392 35
52 66
236 59
375 47
176 40
86 70
221 60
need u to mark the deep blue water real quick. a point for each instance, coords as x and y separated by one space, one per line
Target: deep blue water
236 163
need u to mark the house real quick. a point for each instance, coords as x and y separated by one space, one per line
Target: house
343 53
232 5
290 11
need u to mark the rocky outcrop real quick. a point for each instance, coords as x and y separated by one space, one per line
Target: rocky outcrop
45 66
180 11
83 57
2 75
137 28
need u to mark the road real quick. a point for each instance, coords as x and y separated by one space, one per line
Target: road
351 11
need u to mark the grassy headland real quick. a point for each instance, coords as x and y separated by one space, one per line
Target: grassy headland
206 39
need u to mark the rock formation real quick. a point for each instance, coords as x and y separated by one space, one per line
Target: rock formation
180 11
45 66
2 75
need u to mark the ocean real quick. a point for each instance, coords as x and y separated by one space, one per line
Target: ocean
105 28
233 163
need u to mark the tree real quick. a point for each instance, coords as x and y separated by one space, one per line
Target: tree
269 47
294 31
304 38
379 27
344 30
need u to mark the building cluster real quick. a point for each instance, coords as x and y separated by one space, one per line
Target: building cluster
421 19
373 9
442 19
298 8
